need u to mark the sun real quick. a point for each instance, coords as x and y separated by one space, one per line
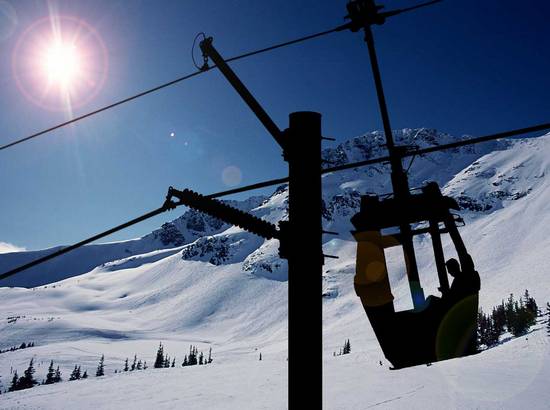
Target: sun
61 64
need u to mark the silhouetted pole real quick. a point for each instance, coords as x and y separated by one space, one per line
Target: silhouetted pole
300 240
303 248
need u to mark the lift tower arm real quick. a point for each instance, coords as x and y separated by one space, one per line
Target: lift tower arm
363 14
208 50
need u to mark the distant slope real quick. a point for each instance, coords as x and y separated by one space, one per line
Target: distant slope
228 290
185 229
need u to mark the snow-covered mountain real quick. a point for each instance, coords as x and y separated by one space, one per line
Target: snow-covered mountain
183 230
197 280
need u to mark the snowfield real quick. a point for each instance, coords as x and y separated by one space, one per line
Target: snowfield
199 281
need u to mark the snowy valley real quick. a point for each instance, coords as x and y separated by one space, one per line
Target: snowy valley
198 281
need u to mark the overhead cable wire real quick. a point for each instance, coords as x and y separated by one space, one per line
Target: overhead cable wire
105 108
62 251
168 84
288 43
166 207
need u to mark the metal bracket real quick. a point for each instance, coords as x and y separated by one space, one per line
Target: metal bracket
221 211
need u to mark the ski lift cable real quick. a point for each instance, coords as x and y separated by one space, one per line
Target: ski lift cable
272 182
168 84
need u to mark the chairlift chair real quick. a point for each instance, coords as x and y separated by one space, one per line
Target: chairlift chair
437 328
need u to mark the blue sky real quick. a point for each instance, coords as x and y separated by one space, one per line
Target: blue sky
462 66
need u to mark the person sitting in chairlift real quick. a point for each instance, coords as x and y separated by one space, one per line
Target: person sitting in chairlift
460 321
466 281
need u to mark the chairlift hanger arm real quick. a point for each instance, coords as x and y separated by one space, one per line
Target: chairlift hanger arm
210 51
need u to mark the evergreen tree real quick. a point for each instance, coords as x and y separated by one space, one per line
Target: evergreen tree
50 377
201 358
173 362
481 327
14 382
85 375
530 303
134 363
101 367
522 319
126 365
57 378
493 332
531 309
509 312
488 329
185 362
145 365
348 347
260 356
159 361
192 359
139 366
27 381
75 375
499 318
210 355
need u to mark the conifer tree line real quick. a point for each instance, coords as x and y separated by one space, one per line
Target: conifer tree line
21 346
193 358
513 316
346 349
137 364
28 381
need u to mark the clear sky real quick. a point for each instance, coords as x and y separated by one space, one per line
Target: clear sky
463 66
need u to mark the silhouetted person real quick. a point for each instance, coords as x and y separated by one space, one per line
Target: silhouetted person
457 332
466 281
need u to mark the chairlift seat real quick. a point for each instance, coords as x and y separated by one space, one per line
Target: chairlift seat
441 328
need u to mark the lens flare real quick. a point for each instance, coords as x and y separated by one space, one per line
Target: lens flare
60 63
231 176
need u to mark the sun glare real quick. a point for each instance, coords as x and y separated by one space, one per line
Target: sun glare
61 64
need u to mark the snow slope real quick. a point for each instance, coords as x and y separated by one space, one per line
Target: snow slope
183 230
509 377
227 290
